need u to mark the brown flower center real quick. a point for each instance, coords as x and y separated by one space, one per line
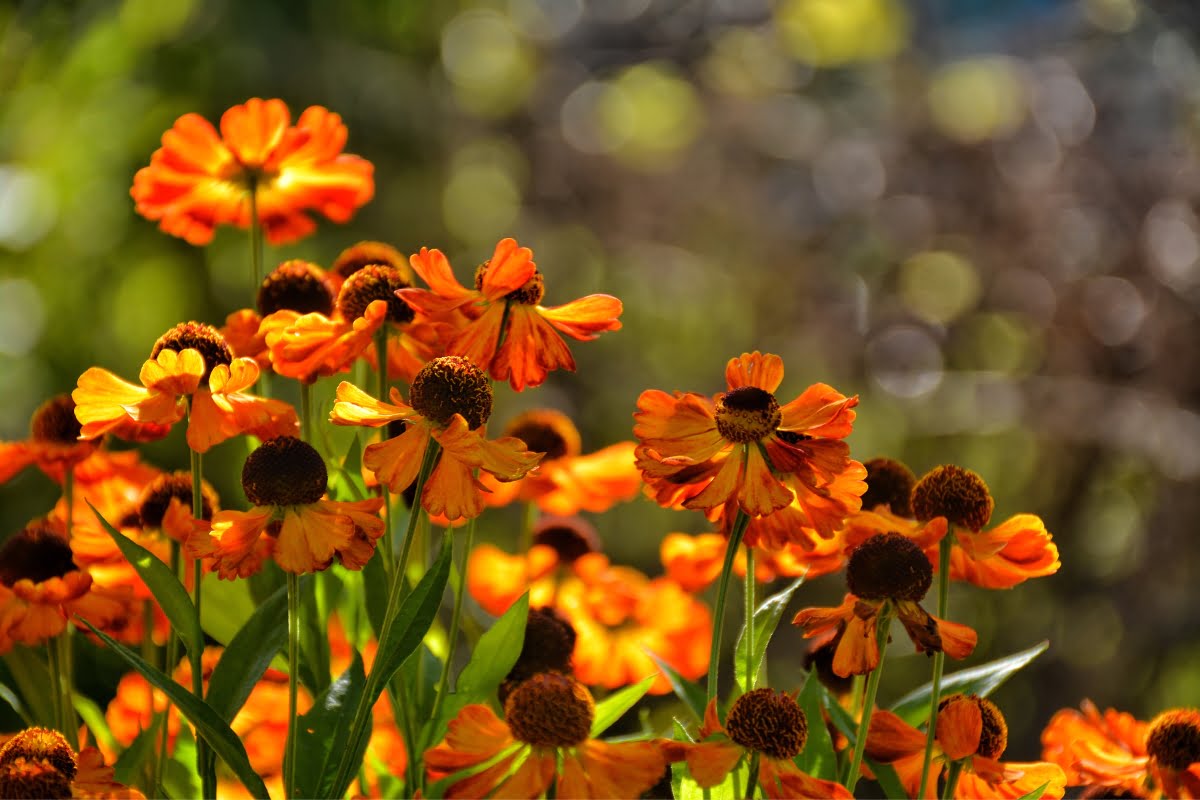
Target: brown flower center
530 293
571 537
452 385
196 336
550 710
33 779
284 472
747 414
957 494
548 645
993 736
375 282
1174 738
156 498
40 744
546 431
55 421
889 483
38 553
363 254
889 566
295 285
768 722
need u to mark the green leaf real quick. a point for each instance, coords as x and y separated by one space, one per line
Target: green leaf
163 584
325 730
179 777
1036 793
684 787
14 702
818 757
490 662
913 708
32 677
248 654
236 602
93 717
208 722
691 693
314 641
610 709
885 774
375 585
766 619
346 482
129 764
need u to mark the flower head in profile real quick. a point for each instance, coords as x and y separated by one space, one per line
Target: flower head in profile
742 449
53 445
451 399
508 330
763 723
543 741
201 178
285 479
295 286
191 372
39 762
972 731
887 569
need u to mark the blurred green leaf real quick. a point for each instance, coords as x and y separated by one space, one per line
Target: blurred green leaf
129 763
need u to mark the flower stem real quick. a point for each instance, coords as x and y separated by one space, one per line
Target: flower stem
952 773
381 392
306 411
452 636
172 659
740 522
939 658
256 237
62 642
293 598
205 765
883 622
529 517
751 672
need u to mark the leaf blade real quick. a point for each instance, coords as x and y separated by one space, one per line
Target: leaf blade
610 709
766 620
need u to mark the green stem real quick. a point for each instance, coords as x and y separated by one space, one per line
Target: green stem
444 682
172 659
883 622
396 593
205 765
857 685
751 672
952 774
57 655
714 656
939 658
293 598
381 392
256 237
528 519
62 642
752 777
306 411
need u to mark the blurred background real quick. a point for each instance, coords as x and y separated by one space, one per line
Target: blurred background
976 215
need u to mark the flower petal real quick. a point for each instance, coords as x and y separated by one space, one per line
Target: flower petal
755 369
586 318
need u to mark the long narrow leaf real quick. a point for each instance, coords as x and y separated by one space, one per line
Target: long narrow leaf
208 722
766 619
690 692
610 709
129 763
818 757
913 708
32 677
248 655
163 584
324 731
885 774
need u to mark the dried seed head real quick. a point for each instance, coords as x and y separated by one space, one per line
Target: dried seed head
298 286
768 722
357 256
993 737
156 498
546 431
889 483
530 293
196 336
1174 738
550 710
571 537
33 779
38 744
549 643
54 421
37 552
889 566
957 494
747 414
452 385
284 472
375 282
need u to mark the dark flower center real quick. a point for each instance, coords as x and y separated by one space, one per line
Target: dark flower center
37 553
768 722
375 282
55 421
546 431
889 483
957 494
196 336
747 414
40 744
889 566
1174 738
550 710
548 645
295 286
530 293
284 472
363 254
156 498
452 385
571 537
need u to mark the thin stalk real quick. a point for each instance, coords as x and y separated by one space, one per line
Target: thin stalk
293 597
205 764
939 658
857 685
444 682
306 411
751 672
381 392
396 593
62 642
528 517
172 659
57 654
883 622
714 656
952 774
751 777
256 236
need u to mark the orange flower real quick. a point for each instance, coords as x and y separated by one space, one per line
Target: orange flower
509 331
698 451
696 561
1115 751
886 570
53 444
185 359
41 588
295 286
38 762
199 179
566 481
285 479
972 731
542 742
451 399
761 722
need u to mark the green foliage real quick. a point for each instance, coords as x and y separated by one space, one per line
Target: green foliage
249 654
325 730
610 709
690 692
818 757
766 619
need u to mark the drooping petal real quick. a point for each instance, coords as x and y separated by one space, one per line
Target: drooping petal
507 459
992 780
1018 549
710 762
218 417
353 406
509 268
445 292
784 780
531 350
234 545
103 402
683 424
309 538
959 727
618 769
889 737
755 369
858 651
586 318
478 340
532 778
397 461
820 411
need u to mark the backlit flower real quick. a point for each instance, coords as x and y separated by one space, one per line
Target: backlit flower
296 286
199 179
761 722
743 447
543 742
53 444
696 561
970 730
191 362
451 399
38 762
509 331
285 479
886 569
